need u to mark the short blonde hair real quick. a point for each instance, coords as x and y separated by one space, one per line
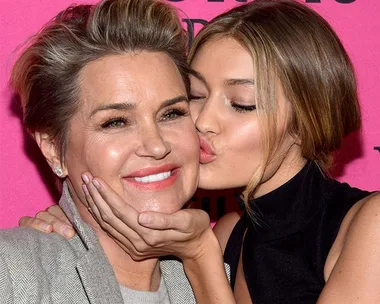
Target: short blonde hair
293 45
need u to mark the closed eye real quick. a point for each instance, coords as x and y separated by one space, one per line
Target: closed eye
243 108
195 97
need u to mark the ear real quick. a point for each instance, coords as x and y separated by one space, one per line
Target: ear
51 152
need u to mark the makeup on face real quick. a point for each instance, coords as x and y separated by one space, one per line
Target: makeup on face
130 131
224 111
223 107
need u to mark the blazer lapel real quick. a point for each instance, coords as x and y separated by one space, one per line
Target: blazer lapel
94 269
177 283
98 278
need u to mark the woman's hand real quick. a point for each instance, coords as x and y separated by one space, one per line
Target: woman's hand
50 220
186 233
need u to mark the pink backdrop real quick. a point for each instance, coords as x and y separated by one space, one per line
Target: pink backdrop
25 183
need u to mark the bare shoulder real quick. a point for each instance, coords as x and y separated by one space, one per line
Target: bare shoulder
224 227
366 219
352 266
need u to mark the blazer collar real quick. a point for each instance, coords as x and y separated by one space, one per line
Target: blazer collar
97 275
95 271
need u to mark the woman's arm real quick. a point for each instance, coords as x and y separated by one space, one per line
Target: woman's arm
207 274
186 234
355 277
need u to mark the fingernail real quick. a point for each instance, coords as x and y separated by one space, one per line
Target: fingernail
46 227
85 189
67 232
145 219
85 179
96 183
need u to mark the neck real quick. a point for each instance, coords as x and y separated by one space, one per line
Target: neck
138 275
281 171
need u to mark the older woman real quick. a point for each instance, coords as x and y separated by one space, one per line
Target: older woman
104 89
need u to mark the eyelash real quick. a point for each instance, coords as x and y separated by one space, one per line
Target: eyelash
176 111
114 122
194 97
237 107
242 108
110 124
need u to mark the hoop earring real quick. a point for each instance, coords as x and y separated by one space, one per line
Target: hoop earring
58 171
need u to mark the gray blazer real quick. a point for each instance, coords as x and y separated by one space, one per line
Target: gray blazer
46 268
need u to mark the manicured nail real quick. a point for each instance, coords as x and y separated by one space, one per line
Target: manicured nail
85 189
96 183
46 227
67 232
85 179
145 219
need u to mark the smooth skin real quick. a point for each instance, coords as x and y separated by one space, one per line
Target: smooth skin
223 112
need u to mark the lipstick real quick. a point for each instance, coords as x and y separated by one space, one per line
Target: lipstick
207 152
153 178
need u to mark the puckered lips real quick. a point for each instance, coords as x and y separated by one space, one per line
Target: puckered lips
207 153
153 178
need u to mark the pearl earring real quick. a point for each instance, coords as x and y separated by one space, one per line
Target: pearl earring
58 171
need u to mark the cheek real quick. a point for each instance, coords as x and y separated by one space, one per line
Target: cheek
96 154
243 152
190 146
195 109
104 159
244 138
187 149
184 138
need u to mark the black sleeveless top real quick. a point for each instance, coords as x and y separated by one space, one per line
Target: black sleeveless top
285 253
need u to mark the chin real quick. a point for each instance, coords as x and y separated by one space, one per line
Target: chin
161 207
212 184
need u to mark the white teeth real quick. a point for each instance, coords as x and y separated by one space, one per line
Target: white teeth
153 178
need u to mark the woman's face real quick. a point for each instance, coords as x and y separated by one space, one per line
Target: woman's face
134 130
224 110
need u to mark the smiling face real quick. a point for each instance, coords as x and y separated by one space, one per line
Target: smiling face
134 130
224 110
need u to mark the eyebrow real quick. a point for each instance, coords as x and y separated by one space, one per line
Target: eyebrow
239 81
228 82
172 101
125 106
197 75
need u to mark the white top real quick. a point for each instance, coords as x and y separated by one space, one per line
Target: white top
160 296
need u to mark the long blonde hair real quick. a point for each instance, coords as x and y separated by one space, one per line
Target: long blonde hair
292 45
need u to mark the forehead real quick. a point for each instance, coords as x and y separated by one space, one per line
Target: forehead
223 57
130 77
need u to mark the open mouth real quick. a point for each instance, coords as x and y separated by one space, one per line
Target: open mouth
153 178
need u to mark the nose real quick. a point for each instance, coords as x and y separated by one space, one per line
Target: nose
152 144
208 112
